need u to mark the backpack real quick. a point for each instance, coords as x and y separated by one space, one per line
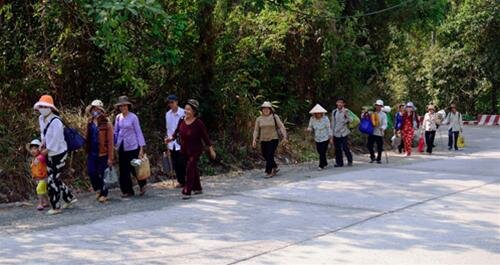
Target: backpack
366 125
74 140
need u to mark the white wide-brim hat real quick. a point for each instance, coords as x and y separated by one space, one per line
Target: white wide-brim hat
379 102
96 103
318 109
267 104
410 105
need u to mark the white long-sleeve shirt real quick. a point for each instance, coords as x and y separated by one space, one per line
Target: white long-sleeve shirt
172 120
454 121
53 140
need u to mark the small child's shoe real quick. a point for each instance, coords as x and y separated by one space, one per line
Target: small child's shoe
40 207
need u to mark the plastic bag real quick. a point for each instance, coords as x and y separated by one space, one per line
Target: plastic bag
366 126
355 119
142 167
421 144
460 141
110 176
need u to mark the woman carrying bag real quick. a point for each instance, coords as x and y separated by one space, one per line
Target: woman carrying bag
99 148
130 143
268 128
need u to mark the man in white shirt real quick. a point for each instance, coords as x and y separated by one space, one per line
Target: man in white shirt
172 118
378 133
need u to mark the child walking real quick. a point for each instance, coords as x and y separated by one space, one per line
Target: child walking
39 173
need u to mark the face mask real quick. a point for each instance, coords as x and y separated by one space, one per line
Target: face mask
96 114
44 112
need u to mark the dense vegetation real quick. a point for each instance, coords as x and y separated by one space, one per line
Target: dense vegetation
233 54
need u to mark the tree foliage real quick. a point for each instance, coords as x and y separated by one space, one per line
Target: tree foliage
232 55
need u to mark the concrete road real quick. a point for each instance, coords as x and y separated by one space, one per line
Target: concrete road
439 210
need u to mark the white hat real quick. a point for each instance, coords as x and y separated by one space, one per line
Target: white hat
318 109
267 104
387 109
36 142
410 105
96 103
379 102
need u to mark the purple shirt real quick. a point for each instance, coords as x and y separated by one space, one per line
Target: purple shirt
128 132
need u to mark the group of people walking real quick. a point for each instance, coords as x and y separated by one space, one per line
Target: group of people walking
187 136
407 123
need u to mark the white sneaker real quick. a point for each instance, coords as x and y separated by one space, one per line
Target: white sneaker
68 205
54 211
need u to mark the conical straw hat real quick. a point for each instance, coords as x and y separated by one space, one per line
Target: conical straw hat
318 109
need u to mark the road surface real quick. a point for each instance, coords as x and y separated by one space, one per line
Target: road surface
440 209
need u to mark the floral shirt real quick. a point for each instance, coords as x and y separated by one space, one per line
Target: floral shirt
321 128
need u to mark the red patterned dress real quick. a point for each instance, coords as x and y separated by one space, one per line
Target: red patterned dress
408 131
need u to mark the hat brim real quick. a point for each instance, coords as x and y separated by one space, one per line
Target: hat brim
123 103
28 146
44 104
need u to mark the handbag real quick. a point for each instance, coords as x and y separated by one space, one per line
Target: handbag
366 126
142 167
421 143
460 141
278 131
355 119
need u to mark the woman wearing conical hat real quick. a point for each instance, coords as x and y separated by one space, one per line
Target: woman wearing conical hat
319 125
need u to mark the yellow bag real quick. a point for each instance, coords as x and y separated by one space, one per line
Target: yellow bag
41 188
375 119
460 141
144 170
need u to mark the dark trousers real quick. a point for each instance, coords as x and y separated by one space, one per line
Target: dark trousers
268 149
401 146
372 139
341 146
429 140
55 166
322 147
179 163
96 166
124 159
452 139
193 182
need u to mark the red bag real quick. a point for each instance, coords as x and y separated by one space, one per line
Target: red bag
421 144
